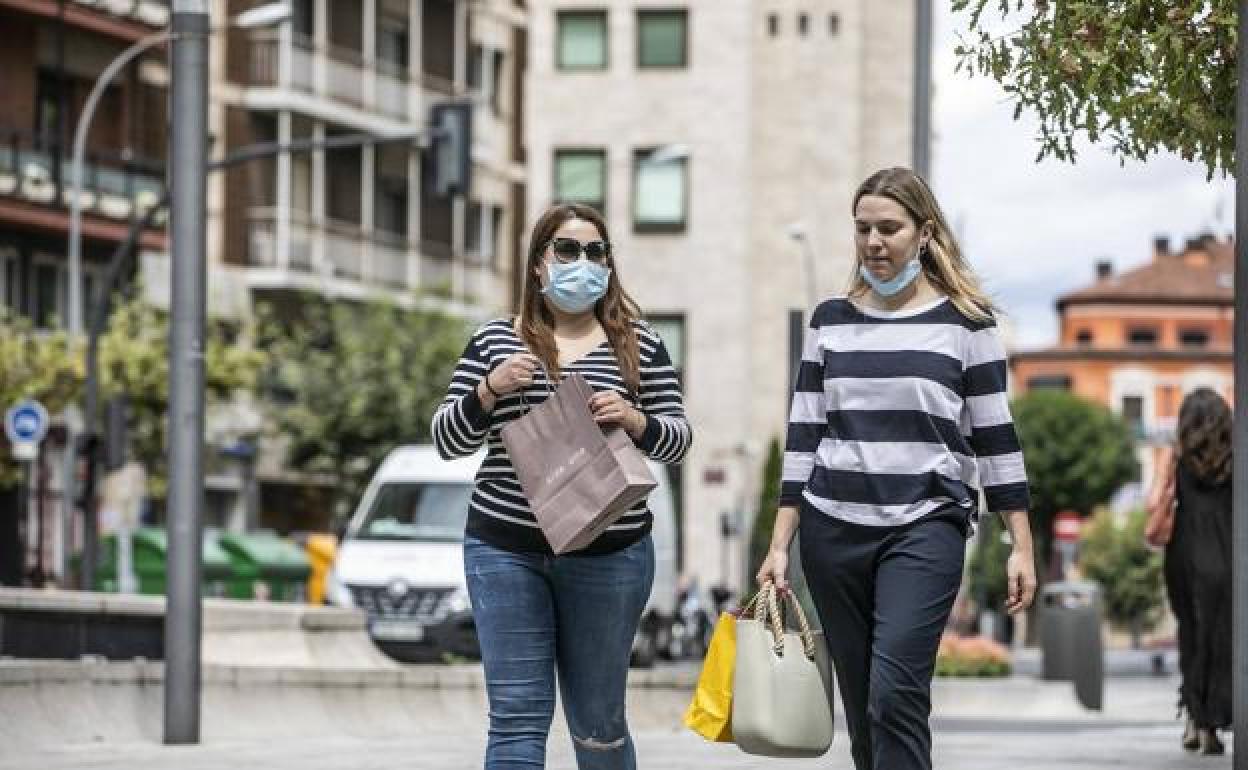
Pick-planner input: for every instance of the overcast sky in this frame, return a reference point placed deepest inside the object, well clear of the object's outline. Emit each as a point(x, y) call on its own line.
point(1035, 231)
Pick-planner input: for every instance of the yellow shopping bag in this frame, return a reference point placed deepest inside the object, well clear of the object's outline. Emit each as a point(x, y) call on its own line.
point(710, 713)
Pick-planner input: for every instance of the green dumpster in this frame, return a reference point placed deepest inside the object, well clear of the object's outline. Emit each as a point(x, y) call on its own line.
point(265, 566)
point(149, 551)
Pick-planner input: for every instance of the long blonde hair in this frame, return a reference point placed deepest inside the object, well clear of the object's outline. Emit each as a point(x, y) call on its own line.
point(942, 260)
point(616, 311)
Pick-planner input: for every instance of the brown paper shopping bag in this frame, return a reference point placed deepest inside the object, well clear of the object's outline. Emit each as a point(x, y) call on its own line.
point(578, 478)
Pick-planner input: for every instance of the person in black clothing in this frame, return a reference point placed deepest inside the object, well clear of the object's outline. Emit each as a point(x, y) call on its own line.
point(1198, 567)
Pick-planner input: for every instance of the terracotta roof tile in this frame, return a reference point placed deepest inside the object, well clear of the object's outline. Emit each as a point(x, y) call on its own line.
point(1201, 273)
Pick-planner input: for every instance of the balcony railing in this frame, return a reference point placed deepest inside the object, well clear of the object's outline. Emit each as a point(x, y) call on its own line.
point(115, 185)
point(343, 251)
point(338, 74)
point(153, 13)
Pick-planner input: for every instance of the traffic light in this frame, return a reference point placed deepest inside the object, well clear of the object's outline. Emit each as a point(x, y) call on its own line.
point(449, 161)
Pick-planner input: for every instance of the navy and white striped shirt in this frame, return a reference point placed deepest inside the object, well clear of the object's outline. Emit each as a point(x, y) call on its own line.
point(899, 415)
point(499, 513)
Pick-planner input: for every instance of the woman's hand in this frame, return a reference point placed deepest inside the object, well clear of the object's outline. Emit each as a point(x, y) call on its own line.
point(610, 408)
point(513, 374)
point(1020, 571)
point(775, 570)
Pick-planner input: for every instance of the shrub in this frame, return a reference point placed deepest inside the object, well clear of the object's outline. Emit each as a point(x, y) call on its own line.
point(971, 656)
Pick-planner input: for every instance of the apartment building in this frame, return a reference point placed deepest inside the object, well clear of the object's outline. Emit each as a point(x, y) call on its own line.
point(359, 222)
point(723, 140)
point(51, 55)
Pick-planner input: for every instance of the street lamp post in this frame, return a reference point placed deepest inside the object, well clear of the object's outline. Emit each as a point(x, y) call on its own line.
point(188, 151)
point(264, 15)
point(922, 88)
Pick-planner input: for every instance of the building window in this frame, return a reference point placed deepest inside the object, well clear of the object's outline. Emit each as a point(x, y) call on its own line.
point(10, 297)
point(1194, 338)
point(1049, 382)
point(660, 192)
point(582, 41)
point(773, 24)
point(671, 329)
point(472, 232)
point(496, 84)
point(834, 24)
point(304, 18)
point(393, 38)
point(662, 39)
point(47, 295)
point(1133, 413)
point(1084, 337)
point(581, 177)
point(390, 214)
point(803, 24)
point(1142, 336)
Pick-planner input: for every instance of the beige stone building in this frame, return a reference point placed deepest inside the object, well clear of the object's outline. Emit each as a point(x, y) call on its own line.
point(723, 139)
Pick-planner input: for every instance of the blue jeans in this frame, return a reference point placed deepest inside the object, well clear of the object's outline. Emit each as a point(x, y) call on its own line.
point(536, 614)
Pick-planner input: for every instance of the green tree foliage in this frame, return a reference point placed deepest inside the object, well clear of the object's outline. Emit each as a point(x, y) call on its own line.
point(1130, 573)
point(1141, 75)
point(1077, 453)
point(765, 520)
point(353, 381)
point(134, 362)
point(44, 366)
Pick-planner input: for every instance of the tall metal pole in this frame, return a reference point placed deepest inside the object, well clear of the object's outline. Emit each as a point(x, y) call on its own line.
point(922, 138)
point(188, 157)
point(1239, 680)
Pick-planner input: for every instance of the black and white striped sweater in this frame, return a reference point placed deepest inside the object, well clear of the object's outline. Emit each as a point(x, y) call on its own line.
point(499, 513)
point(898, 415)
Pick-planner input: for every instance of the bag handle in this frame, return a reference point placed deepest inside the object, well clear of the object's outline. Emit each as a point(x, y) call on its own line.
point(550, 386)
point(768, 609)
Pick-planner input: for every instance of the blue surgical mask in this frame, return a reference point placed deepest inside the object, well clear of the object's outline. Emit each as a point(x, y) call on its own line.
point(577, 286)
point(895, 284)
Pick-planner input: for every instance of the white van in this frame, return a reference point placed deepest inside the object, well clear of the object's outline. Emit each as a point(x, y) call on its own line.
point(401, 559)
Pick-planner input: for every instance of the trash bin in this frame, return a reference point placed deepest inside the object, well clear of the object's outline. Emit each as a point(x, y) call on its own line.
point(265, 566)
point(149, 554)
point(321, 550)
point(1070, 616)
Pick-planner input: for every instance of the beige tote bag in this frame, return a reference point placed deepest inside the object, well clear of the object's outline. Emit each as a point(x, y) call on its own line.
point(782, 687)
point(578, 477)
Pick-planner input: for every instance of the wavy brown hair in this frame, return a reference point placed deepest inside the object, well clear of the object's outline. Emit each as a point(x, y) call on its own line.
point(942, 261)
point(1204, 439)
point(616, 311)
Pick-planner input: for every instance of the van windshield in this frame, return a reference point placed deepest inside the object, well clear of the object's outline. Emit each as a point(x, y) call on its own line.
point(417, 511)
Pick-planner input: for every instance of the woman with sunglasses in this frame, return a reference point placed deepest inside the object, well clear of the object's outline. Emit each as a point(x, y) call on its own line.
point(537, 613)
point(900, 416)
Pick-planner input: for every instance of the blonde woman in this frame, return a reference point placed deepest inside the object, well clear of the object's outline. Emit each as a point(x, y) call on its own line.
point(899, 413)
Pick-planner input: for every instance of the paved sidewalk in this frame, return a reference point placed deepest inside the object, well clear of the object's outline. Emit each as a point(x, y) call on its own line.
point(958, 747)
point(1015, 724)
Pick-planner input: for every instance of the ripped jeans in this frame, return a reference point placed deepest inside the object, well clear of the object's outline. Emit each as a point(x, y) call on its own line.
point(536, 614)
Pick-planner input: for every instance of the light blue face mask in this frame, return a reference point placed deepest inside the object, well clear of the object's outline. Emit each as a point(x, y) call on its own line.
point(892, 286)
point(576, 286)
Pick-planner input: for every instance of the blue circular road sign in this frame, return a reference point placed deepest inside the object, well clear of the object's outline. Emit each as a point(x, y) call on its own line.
point(26, 423)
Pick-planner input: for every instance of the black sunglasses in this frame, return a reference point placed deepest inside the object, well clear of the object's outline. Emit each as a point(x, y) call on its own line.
point(570, 249)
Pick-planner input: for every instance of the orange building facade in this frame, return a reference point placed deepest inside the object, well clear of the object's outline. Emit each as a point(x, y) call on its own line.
point(1138, 341)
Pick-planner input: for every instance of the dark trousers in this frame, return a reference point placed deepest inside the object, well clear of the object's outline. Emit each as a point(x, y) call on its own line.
point(883, 595)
